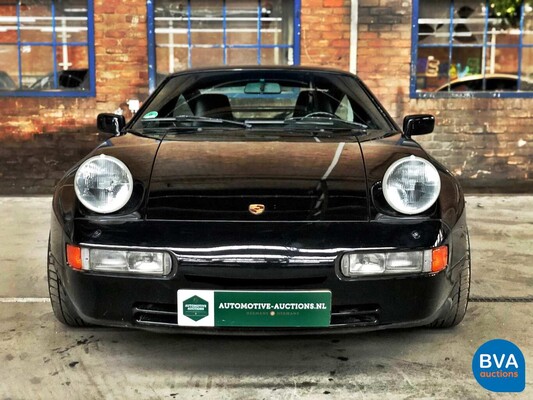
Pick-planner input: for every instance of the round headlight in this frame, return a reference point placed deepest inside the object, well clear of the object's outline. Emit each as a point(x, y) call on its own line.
point(411, 185)
point(103, 184)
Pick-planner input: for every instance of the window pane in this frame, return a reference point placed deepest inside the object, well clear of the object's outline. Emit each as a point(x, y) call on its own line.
point(73, 79)
point(8, 53)
point(75, 76)
point(206, 22)
point(484, 52)
point(36, 21)
point(171, 59)
point(274, 56)
point(274, 27)
point(434, 22)
point(41, 51)
point(527, 69)
point(528, 24)
point(206, 57)
point(37, 67)
point(502, 31)
point(217, 26)
point(171, 36)
point(71, 21)
point(8, 67)
point(527, 53)
point(502, 60)
point(241, 56)
point(8, 23)
point(72, 57)
point(465, 61)
point(432, 68)
point(241, 22)
point(469, 22)
point(432, 64)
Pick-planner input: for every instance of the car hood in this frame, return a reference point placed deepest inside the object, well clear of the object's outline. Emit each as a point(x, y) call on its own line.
point(305, 179)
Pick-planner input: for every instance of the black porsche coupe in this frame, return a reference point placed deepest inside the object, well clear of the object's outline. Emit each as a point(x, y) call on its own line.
point(259, 200)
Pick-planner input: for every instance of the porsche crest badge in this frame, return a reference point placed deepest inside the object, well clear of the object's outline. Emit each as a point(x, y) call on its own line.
point(256, 209)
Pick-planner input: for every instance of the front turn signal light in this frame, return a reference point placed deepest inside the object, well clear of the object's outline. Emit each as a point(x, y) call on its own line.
point(439, 258)
point(74, 256)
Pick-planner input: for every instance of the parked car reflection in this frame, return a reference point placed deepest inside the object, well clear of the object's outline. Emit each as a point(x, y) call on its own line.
point(493, 83)
point(70, 79)
point(6, 83)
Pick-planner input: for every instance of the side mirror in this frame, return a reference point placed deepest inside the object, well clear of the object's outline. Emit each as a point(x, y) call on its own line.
point(110, 123)
point(418, 124)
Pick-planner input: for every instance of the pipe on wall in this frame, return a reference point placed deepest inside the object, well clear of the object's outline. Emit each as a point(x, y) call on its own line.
point(353, 36)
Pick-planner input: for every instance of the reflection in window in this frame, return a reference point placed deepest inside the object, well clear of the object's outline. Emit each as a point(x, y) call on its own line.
point(222, 32)
point(472, 46)
point(44, 47)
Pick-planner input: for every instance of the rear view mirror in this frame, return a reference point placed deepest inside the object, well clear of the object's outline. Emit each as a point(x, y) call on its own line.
point(418, 124)
point(262, 88)
point(110, 123)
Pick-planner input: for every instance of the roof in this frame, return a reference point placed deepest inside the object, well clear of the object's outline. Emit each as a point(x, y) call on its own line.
point(236, 68)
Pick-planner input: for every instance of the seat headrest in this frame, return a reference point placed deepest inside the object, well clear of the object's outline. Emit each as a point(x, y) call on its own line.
point(213, 105)
point(313, 101)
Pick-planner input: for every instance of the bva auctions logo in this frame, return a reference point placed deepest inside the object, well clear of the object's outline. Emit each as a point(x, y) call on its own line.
point(195, 308)
point(499, 366)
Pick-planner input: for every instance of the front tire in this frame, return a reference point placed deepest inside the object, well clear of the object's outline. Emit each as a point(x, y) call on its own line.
point(63, 308)
point(458, 298)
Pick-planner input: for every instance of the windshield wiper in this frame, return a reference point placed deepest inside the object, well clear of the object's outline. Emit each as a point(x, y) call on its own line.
point(328, 128)
point(326, 122)
point(193, 118)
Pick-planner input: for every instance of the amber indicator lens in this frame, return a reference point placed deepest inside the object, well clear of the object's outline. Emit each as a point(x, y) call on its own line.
point(439, 259)
point(74, 256)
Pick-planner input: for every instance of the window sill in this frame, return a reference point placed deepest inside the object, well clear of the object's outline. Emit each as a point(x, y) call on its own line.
point(48, 93)
point(471, 95)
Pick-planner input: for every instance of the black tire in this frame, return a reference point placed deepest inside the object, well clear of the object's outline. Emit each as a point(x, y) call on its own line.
point(458, 298)
point(61, 304)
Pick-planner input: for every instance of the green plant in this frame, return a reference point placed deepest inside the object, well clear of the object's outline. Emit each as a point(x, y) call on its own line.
point(509, 10)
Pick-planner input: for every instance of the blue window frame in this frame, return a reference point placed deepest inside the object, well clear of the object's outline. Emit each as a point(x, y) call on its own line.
point(47, 48)
point(469, 48)
point(197, 33)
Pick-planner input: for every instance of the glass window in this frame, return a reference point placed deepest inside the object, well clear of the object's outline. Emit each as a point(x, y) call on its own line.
point(265, 99)
point(482, 47)
point(199, 33)
point(46, 48)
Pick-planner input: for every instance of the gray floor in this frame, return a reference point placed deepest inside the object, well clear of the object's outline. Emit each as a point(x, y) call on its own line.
point(40, 358)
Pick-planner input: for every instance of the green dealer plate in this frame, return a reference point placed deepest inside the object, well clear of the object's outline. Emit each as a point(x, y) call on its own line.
point(254, 308)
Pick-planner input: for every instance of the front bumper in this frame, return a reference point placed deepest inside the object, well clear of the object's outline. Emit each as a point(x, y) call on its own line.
point(357, 304)
point(151, 303)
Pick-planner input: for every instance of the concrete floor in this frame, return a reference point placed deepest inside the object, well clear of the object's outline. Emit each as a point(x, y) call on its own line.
point(40, 358)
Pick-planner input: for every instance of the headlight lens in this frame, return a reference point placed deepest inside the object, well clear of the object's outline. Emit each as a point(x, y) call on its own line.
point(126, 261)
point(411, 185)
point(103, 184)
point(354, 265)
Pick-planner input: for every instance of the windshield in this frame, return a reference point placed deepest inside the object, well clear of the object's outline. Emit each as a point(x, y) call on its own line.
point(262, 99)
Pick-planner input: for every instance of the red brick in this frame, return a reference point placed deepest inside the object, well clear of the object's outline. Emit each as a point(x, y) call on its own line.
point(333, 3)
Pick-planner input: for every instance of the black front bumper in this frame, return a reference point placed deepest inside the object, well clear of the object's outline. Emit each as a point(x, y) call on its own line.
point(151, 303)
point(359, 304)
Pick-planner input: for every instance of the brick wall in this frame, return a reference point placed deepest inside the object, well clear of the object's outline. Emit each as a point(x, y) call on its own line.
point(121, 52)
point(34, 166)
point(486, 142)
point(325, 33)
point(41, 138)
point(122, 73)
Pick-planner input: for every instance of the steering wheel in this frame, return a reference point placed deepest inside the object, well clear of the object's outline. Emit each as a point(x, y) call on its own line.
point(320, 114)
